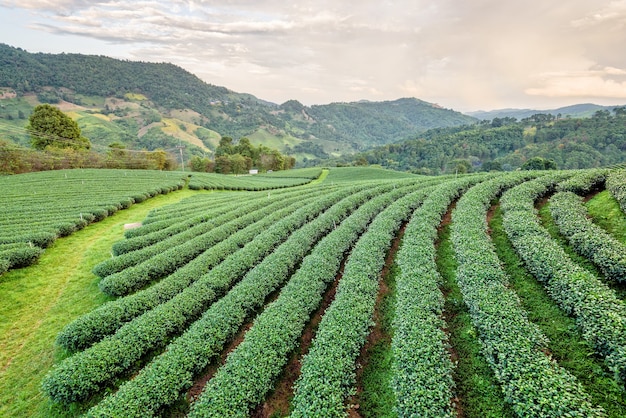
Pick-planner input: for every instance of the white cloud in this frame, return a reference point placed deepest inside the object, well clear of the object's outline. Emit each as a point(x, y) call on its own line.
point(479, 54)
point(594, 83)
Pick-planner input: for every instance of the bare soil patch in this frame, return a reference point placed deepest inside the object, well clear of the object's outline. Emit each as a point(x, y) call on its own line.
point(279, 400)
point(377, 333)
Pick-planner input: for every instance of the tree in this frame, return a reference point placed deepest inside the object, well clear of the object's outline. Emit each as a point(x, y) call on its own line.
point(238, 163)
point(159, 156)
point(50, 127)
point(225, 146)
point(245, 148)
point(539, 163)
point(222, 165)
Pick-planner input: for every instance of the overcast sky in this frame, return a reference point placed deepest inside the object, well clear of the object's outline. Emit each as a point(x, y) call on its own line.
point(465, 55)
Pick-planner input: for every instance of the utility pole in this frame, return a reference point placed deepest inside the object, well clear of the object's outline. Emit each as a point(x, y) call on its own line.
point(182, 162)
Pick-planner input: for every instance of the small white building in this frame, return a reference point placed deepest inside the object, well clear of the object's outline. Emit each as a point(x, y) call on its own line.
point(254, 171)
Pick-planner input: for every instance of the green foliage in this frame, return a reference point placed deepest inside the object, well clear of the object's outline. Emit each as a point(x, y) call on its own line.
point(422, 368)
point(566, 343)
point(214, 181)
point(352, 174)
point(600, 315)
point(16, 255)
point(596, 141)
point(236, 387)
point(539, 163)
point(478, 392)
point(585, 181)
point(616, 184)
point(532, 382)
point(190, 353)
point(376, 123)
point(353, 125)
point(49, 127)
point(588, 239)
point(328, 370)
point(40, 207)
point(606, 213)
point(228, 238)
point(76, 378)
point(218, 258)
point(436, 149)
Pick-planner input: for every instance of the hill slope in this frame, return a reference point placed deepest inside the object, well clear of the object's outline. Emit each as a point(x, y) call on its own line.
point(572, 143)
point(133, 99)
point(583, 110)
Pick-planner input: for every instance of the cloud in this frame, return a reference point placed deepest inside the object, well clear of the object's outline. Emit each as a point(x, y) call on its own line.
point(613, 14)
point(484, 53)
point(596, 83)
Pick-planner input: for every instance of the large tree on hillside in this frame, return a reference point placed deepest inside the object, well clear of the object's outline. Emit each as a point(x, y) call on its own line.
point(50, 127)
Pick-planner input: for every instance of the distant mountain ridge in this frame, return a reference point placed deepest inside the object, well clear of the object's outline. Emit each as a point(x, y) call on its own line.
point(144, 104)
point(583, 110)
point(505, 144)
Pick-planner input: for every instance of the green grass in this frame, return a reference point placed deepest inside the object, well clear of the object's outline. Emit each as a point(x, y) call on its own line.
point(548, 223)
point(350, 174)
point(477, 389)
point(90, 101)
point(566, 343)
point(262, 136)
point(39, 300)
point(606, 213)
point(320, 179)
point(377, 398)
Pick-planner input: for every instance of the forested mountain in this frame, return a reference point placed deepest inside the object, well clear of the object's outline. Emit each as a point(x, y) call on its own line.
point(583, 110)
point(152, 105)
point(506, 144)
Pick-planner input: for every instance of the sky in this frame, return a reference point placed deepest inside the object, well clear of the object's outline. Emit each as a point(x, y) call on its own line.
point(463, 55)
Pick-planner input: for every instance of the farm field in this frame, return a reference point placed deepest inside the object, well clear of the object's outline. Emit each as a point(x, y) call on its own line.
point(363, 292)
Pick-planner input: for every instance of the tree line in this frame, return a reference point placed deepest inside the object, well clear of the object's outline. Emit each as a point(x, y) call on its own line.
point(506, 144)
point(239, 158)
point(57, 143)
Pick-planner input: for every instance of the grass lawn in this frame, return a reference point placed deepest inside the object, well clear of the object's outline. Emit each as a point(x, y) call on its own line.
point(567, 345)
point(478, 392)
point(39, 300)
point(605, 212)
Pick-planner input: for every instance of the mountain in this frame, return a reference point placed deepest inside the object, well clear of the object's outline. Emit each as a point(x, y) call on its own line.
point(150, 105)
point(584, 110)
point(572, 143)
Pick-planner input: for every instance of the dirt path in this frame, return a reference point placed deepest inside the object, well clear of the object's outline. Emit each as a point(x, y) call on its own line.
point(378, 333)
point(278, 402)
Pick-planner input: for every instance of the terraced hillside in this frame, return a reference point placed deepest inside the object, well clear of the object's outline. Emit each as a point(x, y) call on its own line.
point(365, 293)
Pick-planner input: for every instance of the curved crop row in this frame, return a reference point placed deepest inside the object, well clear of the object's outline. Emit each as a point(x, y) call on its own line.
point(588, 239)
point(422, 368)
point(215, 214)
point(598, 312)
point(616, 185)
point(198, 234)
point(106, 319)
point(532, 382)
point(38, 208)
point(584, 181)
point(85, 372)
point(328, 370)
point(161, 381)
point(236, 204)
point(310, 173)
point(145, 262)
point(161, 217)
point(160, 265)
point(17, 255)
point(251, 368)
point(211, 181)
